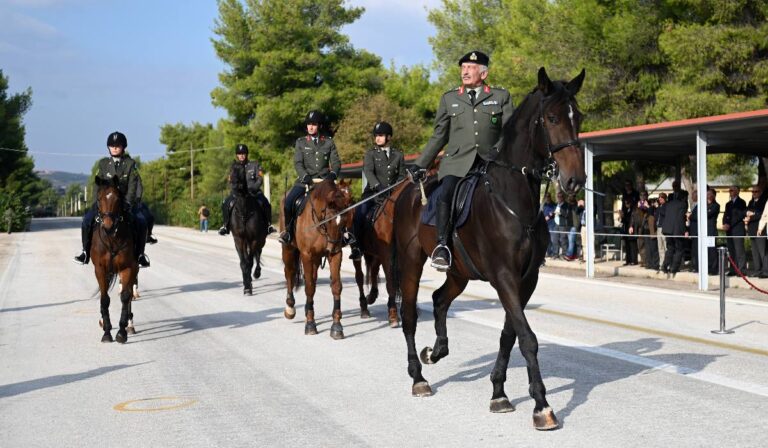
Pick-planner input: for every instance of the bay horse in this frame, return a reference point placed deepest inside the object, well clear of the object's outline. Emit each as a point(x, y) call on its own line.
point(249, 231)
point(112, 254)
point(505, 237)
point(376, 245)
point(312, 243)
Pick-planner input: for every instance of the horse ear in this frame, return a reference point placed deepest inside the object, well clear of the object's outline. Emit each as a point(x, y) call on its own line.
point(545, 84)
point(574, 85)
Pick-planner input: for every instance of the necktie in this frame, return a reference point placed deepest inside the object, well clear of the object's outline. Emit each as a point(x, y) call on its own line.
point(472, 94)
point(314, 139)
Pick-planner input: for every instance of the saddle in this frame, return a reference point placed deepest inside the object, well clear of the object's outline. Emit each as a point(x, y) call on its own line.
point(460, 205)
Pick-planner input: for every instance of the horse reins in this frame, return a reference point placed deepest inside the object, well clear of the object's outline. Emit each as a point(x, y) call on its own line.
point(322, 226)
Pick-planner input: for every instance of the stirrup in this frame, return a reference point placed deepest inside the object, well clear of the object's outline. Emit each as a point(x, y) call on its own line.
point(143, 261)
point(223, 230)
point(271, 229)
point(82, 258)
point(285, 237)
point(151, 239)
point(440, 263)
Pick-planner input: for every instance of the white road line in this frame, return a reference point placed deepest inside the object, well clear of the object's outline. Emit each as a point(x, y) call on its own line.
point(756, 389)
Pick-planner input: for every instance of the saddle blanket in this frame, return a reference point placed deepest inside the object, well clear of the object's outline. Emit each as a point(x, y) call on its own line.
point(462, 203)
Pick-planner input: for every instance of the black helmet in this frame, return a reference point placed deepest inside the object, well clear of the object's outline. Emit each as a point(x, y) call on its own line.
point(316, 117)
point(382, 128)
point(241, 149)
point(117, 139)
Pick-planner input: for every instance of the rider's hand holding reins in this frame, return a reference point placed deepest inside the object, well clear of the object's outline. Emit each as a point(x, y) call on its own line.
point(416, 173)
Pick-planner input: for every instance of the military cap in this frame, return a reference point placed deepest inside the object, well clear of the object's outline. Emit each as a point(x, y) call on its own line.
point(314, 116)
point(475, 57)
point(241, 149)
point(117, 139)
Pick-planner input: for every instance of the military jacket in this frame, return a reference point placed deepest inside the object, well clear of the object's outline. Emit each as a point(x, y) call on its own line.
point(382, 170)
point(466, 130)
point(129, 181)
point(245, 175)
point(317, 160)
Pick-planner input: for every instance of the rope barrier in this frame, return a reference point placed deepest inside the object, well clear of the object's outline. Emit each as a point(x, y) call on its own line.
point(744, 277)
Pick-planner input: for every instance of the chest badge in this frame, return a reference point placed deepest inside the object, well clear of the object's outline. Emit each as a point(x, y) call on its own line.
point(494, 119)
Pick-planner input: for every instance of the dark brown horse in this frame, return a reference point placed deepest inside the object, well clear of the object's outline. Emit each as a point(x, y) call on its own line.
point(249, 231)
point(505, 236)
point(112, 254)
point(311, 244)
point(376, 245)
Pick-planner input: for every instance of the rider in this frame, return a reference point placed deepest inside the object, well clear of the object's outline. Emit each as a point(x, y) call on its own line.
point(383, 166)
point(469, 124)
point(315, 157)
point(122, 166)
point(245, 172)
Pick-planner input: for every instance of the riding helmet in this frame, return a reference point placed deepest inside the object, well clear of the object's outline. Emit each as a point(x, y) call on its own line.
point(117, 139)
point(241, 149)
point(314, 117)
point(382, 128)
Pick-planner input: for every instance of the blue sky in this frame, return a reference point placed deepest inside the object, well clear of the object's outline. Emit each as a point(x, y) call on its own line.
point(96, 66)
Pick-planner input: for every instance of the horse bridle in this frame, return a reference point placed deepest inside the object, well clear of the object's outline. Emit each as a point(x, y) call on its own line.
point(117, 218)
point(323, 228)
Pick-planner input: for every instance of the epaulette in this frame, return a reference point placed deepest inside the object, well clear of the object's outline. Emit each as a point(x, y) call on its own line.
point(455, 89)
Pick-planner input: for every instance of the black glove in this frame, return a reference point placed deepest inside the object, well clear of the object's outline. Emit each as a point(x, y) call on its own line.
point(331, 176)
point(306, 179)
point(376, 188)
point(417, 173)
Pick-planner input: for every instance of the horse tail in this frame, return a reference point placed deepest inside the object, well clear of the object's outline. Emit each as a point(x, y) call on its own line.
point(298, 271)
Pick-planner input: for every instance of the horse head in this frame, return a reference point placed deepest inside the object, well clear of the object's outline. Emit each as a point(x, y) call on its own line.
point(555, 129)
point(110, 203)
point(345, 186)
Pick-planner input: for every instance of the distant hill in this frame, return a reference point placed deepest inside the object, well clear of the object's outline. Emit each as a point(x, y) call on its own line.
point(61, 180)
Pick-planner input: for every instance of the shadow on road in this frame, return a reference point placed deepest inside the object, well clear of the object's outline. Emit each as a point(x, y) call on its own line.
point(10, 390)
point(259, 287)
point(582, 367)
point(44, 305)
point(183, 325)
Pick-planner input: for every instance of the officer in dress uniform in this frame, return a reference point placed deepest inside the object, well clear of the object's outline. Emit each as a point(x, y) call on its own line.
point(315, 157)
point(383, 166)
point(244, 172)
point(120, 165)
point(469, 125)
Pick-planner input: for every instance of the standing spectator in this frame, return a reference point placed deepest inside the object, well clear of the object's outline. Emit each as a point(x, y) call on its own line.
point(548, 209)
point(203, 213)
point(648, 233)
point(676, 190)
point(574, 223)
point(713, 209)
point(638, 218)
point(762, 230)
point(692, 223)
point(755, 209)
point(561, 225)
point(733, 223)
point(630, 240)
point(674, 227)
point(658, 214)
point(583, 231)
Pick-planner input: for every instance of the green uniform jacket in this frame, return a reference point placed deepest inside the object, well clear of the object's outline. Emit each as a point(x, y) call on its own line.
point(128, 175)
point(465, 130)
point(317, 160)
point(382, 170)
point(245, 175)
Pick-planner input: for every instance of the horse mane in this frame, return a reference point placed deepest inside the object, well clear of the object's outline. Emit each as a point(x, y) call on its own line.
point(327, 187)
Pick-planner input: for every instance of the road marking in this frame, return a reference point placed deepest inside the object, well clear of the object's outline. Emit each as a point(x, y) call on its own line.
point(154, 404)
point(743, 386)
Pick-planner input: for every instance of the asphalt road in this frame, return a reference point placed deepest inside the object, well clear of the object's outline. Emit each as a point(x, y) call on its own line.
point(624, 365)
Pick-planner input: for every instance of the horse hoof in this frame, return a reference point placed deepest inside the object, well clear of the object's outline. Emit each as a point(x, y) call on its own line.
point(310, 329)
point(131, 330)
point(421, 389)
point(337, 331)
point(371, 299)
point(501, 405)
point(121, 336)
point(545, 420)
point(394, 322)
point(247, 291)
point(101, 323)
point(289, 312)
point(426, 355)
point(365, 314)
point(107, 337)
point(256, 274)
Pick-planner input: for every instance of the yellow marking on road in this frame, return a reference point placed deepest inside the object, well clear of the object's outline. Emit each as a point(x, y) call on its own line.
point(154, 404)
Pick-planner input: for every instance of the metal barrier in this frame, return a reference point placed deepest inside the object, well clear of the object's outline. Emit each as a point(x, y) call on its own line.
point(721, 254)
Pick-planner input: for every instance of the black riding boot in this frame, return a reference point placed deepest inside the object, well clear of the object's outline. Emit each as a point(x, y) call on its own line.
point(86, 232)
point(266, 207)
point(441, 256)
point(226, 210)
point(287, 235)
point(349, 238)
point(140, 237)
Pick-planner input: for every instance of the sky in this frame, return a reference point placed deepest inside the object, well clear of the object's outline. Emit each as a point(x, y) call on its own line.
point(96, 66)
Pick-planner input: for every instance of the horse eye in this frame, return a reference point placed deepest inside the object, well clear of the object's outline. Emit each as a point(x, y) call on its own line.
point(552, 119)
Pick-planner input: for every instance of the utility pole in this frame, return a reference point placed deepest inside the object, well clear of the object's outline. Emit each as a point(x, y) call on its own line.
point(191, 172)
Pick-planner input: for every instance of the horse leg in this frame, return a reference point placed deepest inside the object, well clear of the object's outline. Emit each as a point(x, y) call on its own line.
point(337, 331)
point(513, 301)
point(127, 277)
point(410, 289)
point(441, 301)
point(290, 268)
point(245, 265)
point(104, 322)
point(373, 279)
point(257, 259)
point(394, 321)
point(310, 280)
point(499, 400)
point(360, 280)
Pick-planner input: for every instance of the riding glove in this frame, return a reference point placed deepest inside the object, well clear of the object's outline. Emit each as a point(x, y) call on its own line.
point(331, 176)
point(417, 173)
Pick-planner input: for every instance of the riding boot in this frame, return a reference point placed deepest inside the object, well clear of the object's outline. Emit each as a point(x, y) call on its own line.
point(266, 207)
point(140, 232)
point(441, 256)
point(287, 235)
point(349, 238)
point(226, 210)
point(86, 232)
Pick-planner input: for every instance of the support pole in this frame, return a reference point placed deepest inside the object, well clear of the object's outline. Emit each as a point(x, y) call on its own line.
point(704, 240)
point(191, 172)
point(721, 252)
point(589, 203)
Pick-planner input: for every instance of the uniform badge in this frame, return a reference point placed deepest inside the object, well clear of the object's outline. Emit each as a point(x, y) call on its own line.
point(494, 119)
point(473, 56)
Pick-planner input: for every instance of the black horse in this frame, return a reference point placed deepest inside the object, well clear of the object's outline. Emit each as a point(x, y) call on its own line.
point(249, 230)
point(505, 237)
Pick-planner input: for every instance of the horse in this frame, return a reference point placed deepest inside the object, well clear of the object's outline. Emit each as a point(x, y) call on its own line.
point(112, 254)
point(375, 243)
point(249, 231)
point(314, 241)
point(504, 239)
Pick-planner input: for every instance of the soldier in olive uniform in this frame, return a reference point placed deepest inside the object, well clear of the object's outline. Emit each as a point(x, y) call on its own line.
point(315, 157)
point(383, 166)
point(244, 172)
point(122, 166)
point(469, 125)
